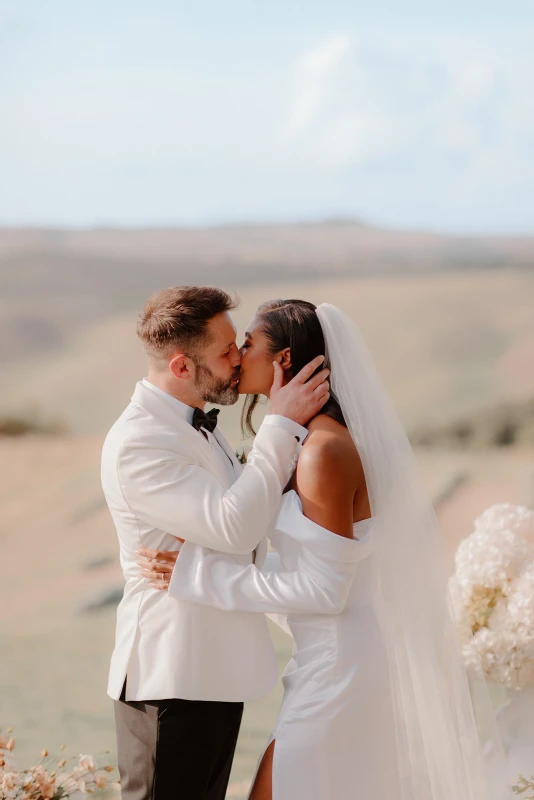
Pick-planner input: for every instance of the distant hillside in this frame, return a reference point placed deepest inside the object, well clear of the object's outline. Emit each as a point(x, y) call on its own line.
point(137, 259)
point(446, 345)
point(54, 282)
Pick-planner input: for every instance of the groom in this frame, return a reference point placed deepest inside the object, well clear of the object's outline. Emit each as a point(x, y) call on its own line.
point(180, 672)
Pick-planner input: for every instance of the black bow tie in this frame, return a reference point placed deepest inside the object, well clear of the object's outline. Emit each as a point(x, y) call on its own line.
point(207, 421)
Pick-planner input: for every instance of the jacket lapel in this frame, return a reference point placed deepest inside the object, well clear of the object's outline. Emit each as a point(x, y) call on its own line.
point(219, 435)
point(162, 411)
point(193, 441)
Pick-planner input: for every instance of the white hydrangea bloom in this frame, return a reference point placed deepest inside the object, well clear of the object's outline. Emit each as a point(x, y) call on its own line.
point(492, 558)
point(504, 516)
point(500, 617)
point(521, 599)
point(495, 570)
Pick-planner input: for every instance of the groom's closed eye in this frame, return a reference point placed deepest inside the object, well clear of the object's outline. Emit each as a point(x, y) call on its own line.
point(228, 349)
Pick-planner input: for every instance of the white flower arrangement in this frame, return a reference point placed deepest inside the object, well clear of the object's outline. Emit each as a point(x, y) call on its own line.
point(48, 779)
point(495, 573)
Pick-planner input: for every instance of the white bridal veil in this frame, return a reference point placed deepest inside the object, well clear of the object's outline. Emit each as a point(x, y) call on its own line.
point(440, 753)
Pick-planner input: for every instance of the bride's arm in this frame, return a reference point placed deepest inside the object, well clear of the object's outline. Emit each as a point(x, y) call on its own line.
point(217, 580)
point(327, 480)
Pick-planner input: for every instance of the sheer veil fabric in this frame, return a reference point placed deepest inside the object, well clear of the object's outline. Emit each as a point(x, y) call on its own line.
point(440, 749)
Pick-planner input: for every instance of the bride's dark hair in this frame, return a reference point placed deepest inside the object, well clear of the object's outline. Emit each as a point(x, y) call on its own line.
point(293, 324)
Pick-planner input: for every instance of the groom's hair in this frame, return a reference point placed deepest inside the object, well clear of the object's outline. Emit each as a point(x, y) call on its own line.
point(178, 318)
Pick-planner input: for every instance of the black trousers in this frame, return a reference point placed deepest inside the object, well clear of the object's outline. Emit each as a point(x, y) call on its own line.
point(176, 749)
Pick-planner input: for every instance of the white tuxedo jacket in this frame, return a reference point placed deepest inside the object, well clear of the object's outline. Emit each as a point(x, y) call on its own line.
point(162, 479)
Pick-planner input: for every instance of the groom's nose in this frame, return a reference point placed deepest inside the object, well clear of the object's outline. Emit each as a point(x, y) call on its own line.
point(236, 357)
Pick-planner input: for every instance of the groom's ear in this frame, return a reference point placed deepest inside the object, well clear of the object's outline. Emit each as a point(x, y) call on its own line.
point(181, 367)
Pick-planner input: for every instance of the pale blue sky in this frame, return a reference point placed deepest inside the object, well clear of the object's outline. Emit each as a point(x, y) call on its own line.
point(409, 114)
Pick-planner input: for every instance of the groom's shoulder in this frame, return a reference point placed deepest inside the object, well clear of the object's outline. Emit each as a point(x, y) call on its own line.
point(125, 425)
point(136, 431)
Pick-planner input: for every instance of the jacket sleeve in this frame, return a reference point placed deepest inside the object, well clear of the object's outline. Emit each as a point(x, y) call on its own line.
point(217, 580)
point(183, 499)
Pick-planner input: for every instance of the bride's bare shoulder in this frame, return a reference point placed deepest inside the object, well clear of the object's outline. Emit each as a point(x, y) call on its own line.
point(328, 474)
point(328, 442)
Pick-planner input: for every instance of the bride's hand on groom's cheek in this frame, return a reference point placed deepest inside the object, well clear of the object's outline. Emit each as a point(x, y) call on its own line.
point(156, 566)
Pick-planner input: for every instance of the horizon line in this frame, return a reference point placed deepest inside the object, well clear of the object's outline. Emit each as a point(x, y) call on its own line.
point(312, 221)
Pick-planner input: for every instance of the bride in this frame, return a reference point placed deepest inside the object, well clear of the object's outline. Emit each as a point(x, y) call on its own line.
point(376, 701)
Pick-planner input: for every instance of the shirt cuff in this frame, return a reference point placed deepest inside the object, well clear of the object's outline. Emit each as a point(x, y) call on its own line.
point(288, 425)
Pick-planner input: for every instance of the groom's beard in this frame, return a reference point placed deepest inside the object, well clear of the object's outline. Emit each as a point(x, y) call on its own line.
point(215, 390)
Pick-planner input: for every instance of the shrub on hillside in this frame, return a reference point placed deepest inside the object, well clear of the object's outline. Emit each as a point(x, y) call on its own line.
point(506, 425)
point(22, 426)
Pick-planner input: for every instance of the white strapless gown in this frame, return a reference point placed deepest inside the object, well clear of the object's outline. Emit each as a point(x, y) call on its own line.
point(334, 733)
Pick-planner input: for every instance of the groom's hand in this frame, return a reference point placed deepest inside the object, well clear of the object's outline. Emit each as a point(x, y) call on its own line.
point(157, 566)
point(304, 396)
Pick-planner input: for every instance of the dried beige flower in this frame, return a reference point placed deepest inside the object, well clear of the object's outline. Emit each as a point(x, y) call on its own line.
point(100, 780)
point(36, 783)
point(87, 763)
point(522, 785)
point(10, 783)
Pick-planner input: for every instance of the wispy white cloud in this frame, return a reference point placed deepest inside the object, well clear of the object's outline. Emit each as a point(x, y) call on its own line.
point(322, 120)
point(314, 77)
point(360, 99)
